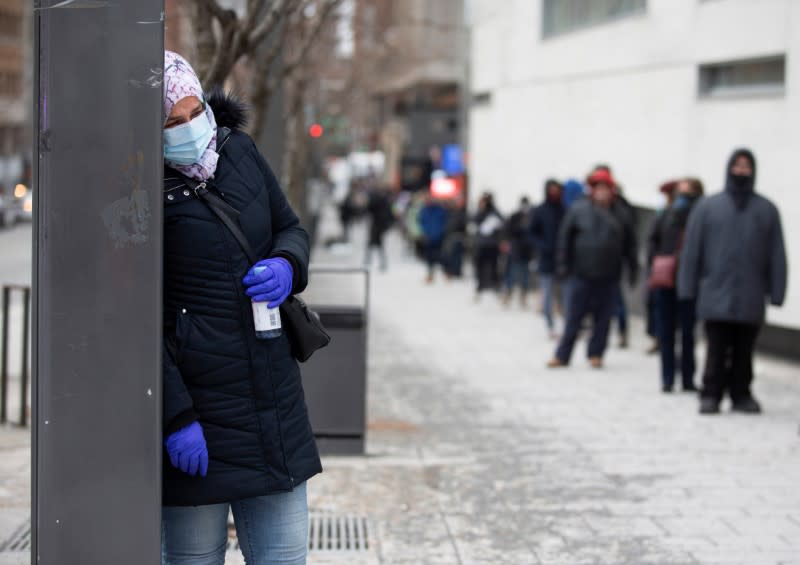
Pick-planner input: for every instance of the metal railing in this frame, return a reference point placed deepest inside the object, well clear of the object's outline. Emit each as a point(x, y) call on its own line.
point(5, 353)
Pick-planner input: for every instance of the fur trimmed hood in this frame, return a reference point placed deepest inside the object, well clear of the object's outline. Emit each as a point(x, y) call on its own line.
point(230, 111)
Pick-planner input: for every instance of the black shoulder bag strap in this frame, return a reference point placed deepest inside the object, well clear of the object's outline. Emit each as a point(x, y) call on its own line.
point(303, 326)
point(227, 214)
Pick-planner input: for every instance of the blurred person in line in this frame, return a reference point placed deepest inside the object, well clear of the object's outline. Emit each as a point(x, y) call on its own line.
point(733, 260)
point(236, 434)
point(572, 192)
point(487, 226)
point(348, 212)
point(625, 211)
point(545, 224)
point(668, 189)
point(455, 240)
point(666, 242)
point(413, 231)
point(379, 210)
point(316, 189)
point(520, 252)
point(593, 245)
point(433, 223)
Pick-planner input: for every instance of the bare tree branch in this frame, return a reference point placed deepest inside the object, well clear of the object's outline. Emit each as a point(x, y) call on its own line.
point(268, 24)
point(311, 37)
point(215, 9)
point(254, 9)
point(264, 86)
point(225, 58)
point(205, 41)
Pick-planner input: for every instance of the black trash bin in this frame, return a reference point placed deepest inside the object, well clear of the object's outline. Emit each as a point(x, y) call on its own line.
point(335, 378)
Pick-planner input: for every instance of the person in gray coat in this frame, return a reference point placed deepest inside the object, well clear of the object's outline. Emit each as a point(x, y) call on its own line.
point(733, 260)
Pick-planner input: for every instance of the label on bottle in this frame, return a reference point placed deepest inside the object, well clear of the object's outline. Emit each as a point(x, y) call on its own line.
point(266, 318)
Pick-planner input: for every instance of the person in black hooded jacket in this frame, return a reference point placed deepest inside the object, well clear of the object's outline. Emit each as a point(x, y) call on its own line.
point(236, 428)
point(545, 224)
point(733, 260)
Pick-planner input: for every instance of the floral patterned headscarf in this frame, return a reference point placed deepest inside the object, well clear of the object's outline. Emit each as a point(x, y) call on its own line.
point(181, 81)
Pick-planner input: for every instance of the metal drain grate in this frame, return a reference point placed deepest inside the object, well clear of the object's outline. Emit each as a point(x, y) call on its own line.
point(326, 532)
point(329, 532)
point(20, 540)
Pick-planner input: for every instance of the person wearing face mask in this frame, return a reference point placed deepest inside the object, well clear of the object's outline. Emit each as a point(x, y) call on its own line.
point(666, 241)
point(236, 429)
point(733, 260)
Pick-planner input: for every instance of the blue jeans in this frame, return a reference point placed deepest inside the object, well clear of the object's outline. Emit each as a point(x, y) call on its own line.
point(433, 255)
point(271, 529)
point(548, 284)
point(621, 311)
point(671, 312)
point(518, 270)
point(595, 297)
point(455, 258)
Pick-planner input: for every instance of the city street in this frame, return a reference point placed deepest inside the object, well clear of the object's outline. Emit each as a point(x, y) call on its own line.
point(479, 455)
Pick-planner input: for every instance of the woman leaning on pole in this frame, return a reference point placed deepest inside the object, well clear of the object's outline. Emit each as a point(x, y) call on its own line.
point(236, 428)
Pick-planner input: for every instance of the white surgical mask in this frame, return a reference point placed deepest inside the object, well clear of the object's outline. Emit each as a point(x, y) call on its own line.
point(186, 143)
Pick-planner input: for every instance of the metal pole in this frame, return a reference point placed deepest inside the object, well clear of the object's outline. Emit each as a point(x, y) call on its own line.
point(4, 357)
point(23, 395)
point(98, 164)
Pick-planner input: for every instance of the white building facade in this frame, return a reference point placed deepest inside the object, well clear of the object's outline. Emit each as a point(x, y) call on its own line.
point(658, 89)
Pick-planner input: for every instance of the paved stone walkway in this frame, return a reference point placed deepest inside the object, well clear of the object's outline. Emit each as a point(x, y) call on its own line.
point(478, 455)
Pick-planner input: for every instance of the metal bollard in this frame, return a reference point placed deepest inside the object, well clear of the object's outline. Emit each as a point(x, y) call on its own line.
point(24, 375)
point(4, 344)
point(4, 356)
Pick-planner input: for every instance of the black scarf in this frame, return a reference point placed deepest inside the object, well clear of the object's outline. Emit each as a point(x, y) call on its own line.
point(740, 188)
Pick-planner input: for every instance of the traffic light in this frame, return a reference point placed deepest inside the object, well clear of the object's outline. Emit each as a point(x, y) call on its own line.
point(316, 131)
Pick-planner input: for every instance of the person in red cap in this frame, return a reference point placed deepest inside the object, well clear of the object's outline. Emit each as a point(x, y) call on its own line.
point(594, 242)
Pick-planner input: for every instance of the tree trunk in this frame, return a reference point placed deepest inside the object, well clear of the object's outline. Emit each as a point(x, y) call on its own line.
point(293, 161)
point(206, 43)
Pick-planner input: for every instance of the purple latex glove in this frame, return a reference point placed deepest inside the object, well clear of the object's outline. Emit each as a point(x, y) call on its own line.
point(187, 450)
point(271, 283)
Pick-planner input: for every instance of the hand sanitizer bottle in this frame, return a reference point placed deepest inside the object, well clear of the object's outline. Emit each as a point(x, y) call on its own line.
point(267, 320)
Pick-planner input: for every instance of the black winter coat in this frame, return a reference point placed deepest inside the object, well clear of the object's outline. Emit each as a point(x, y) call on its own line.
point(545, 224)
point(518, 232)
point(734, 258)
point(381, 217)
point(594, 242)
point(667, 233)
point(245, 392)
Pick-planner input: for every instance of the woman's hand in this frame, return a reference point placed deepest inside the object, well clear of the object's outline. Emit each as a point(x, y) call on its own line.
point(270, 281)
point(187, 450)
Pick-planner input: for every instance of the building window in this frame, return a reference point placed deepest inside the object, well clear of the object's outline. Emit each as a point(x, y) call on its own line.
point(562, 16)
point(753, 77)
point(481, 98)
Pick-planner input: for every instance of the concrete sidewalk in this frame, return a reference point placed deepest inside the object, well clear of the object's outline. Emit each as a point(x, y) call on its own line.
point(479, 455)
